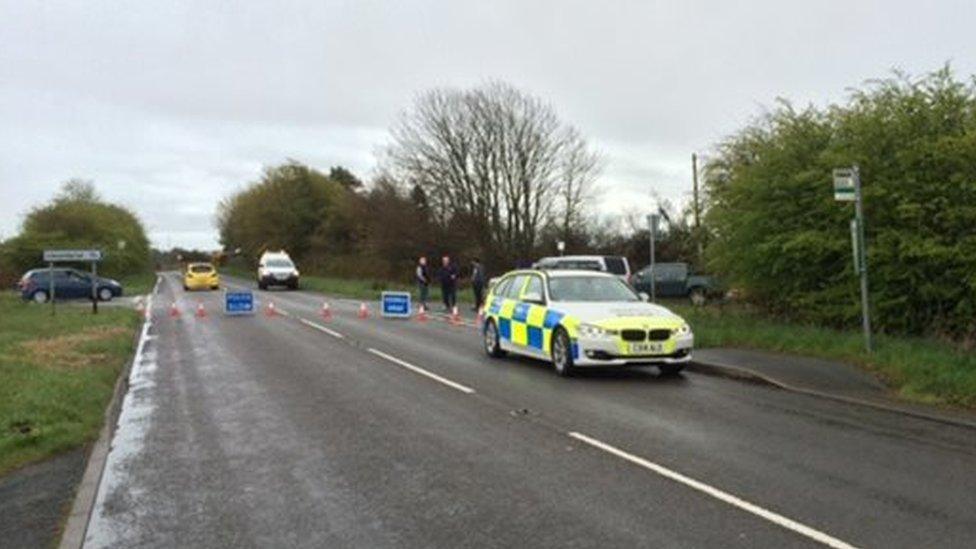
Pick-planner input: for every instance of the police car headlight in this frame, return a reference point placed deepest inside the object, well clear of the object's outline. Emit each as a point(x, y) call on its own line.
point(684, 329)
point(593, 331)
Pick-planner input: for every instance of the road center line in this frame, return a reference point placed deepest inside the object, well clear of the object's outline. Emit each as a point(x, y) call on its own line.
point(322, 328)
point(775, 518)
point(421, 371)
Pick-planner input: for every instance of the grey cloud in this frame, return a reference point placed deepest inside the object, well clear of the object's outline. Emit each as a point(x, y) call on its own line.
point(170, 106)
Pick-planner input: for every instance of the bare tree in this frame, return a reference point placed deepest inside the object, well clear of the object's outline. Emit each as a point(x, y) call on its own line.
point(497, 159)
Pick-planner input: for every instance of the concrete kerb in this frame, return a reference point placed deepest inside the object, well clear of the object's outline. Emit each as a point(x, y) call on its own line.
point(76, 526)
point(747, 374)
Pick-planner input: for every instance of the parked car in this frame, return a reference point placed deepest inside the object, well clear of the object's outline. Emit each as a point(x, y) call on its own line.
point(612, 264)
point(68, 284)
point(277, 269)
point(677, 280)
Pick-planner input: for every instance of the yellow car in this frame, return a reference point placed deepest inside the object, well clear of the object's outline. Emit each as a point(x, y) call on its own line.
point(582, 319)
point(201, 276)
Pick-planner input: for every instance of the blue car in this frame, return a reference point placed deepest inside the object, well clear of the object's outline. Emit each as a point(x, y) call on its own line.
point(68, 284)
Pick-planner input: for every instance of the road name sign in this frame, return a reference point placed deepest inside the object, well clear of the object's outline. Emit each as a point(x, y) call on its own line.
point(239, 303)
point(395, 304)
point(52, 256)
point(845, 185)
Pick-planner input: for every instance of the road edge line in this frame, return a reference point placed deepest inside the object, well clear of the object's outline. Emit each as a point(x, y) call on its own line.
point(740, 373)
point(418, 370)
point(76, 525)
point(716, 493)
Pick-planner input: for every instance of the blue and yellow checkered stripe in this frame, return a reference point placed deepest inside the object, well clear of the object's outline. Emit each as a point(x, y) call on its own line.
point(526, 324)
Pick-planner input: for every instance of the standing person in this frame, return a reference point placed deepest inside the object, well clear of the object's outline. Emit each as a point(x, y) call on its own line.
point(422, 274)
point(477, 282)
point(449, 277)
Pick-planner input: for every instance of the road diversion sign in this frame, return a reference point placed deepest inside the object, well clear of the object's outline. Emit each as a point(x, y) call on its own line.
point(395, 304)
point(239, 303)
point(52, 256)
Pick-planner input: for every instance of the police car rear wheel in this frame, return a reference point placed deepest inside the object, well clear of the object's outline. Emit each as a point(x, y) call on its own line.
point(562, 356)
point(492, 345)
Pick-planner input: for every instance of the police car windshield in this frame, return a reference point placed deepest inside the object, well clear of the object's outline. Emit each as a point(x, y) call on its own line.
point(589, 288)
point(279, 263)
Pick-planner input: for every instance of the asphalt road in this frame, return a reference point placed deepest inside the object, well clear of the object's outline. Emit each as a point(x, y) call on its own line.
point(300, 432)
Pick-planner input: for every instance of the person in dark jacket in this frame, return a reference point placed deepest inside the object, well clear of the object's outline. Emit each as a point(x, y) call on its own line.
point(477, 282)
point(422, 275)
point(449, 279)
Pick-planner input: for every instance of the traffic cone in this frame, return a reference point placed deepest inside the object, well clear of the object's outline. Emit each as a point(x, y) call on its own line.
point(201, 312)
point(174, 311)
point(270, 310)
point(363, 311)
point(455, 316)
point(326, 311)
point(422, 314)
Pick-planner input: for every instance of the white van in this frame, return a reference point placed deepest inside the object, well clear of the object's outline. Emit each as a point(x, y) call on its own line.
point(613, 264)
point(277, 269)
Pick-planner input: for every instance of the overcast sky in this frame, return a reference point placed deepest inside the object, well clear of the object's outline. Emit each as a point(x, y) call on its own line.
point(171, 106)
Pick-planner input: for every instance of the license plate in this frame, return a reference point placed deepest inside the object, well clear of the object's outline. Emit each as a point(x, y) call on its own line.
point(646, 348)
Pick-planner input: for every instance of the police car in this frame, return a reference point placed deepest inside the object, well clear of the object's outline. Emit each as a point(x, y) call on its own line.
point(582, 319)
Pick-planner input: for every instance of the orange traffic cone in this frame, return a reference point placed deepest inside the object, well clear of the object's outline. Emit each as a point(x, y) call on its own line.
point(363, 311)
point(174, 311)
point(422, 314)
point(201, 312)
point(270, 310)
point(326, 311)
point(455, 316)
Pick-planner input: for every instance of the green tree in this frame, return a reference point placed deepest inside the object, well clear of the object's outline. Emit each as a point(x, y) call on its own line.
point(79, 218)
point(283, 210)
point(779, 235)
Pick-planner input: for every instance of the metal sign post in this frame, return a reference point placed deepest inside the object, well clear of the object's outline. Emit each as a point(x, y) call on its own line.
point(847, 188)
point(652, 220)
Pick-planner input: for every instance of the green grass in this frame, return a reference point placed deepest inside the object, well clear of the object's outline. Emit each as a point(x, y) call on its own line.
point(57, 374)
point(918, 369)
point(138, 284)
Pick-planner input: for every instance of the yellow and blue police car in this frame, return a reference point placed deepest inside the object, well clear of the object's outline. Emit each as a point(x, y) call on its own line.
point(582, 319)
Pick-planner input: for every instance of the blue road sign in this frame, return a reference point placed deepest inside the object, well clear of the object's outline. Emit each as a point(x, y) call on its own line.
point(395, 304)
point(239, 303)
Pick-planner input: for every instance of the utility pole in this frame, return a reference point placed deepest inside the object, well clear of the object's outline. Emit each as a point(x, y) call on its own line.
point(694, 179)
point(652, 230)
point(697, 208)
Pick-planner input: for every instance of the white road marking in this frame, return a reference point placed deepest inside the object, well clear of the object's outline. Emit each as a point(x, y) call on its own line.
point(421, 371)
point(775, 518)
point(322, 328)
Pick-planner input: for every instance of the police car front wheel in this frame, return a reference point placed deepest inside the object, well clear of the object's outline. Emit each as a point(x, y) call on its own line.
point(562, 353)
point(492, 345)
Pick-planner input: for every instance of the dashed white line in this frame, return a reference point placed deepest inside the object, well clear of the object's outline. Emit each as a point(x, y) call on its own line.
point(421, 371)
point(322, 328)
point(735, 501)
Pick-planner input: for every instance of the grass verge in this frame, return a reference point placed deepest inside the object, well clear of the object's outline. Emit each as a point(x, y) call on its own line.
point(918, 369)
point(57, 374)
point(138, 284)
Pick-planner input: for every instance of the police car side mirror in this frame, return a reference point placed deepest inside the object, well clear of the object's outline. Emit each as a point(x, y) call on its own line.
point(644, 297)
